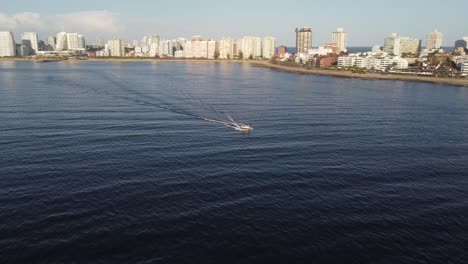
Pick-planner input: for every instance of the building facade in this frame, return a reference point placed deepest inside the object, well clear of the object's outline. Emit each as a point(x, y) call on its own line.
point(282, 50)
point(303, 40)
point(339, 37)
point(61, 41)
point(434, 40)
point(7, 44)
point(226, 48)
point(462, 43)
point(30, 40)
point(268, 49)
point(116, 48)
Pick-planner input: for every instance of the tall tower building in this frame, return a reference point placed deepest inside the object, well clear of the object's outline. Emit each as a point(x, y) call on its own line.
point(61, 41)
point(116, 48)
point(392, 45)
point(30, 40)
point(81, 42)
point(434, 40)
point(303, 40)
point(268, 50)
point(226, 48)
point(7, 44)
point(50, 42)
point(339, 37)
point(73, 42)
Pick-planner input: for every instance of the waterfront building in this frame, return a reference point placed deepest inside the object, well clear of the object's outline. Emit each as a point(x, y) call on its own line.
point(409, 46)
point(251, 47)
point(116, 48)
point(282, 50)
point(72, 41)
point(22, 50)
point(339, 37)
point(211, 49)
point(226, 48)
point(81, 42)
point(333, 46)
point(392, 44)
point(462, 43)
point(268, 50)
point(380, 63)
point(50, 43)
point(7, 44)
point(99, 42)
point(434, 40)
point(30, 40)
point(464, 69)
point(303, 39)
point(61, 41)
point(397, 46)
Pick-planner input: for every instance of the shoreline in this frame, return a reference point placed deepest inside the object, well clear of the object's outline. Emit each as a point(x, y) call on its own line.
point(277, 67)
point(366, 76)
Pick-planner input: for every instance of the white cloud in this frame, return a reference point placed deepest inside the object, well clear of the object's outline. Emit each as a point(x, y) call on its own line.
point(25, 21)
point(89, 23)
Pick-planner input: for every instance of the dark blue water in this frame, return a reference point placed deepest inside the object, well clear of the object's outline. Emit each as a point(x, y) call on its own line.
point(109, 163)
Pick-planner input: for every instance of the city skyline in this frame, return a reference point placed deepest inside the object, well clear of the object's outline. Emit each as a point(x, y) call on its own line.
point(362, 20)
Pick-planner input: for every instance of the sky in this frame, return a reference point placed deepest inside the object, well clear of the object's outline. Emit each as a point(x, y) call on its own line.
point(366, 22)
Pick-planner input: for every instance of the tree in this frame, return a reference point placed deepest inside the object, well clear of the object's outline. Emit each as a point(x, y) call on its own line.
point(251, 57)
point(241, 55)
point(273, 60)
point(229, 56)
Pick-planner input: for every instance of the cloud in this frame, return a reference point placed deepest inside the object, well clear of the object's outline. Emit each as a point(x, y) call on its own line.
point(25, 21)
point(90, 22)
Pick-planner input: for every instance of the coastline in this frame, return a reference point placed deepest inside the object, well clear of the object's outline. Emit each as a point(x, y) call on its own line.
point(277, 67)
point(366, 76)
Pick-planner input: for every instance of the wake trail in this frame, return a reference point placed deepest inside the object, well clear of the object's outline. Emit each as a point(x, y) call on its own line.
point(162, 105)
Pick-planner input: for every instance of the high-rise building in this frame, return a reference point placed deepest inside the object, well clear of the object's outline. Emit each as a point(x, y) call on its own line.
point(339, 37)
point(73, 42)
point(116, 48)
point(268, 50)
point(303, 40)
point(81, 42)
point(30, 40)
point(434, 40)
point(211, 49)
point(409, 46)
point(50, 42)
point(392, 45)
point(226, 48)
point(7, 44)
point(99, 42)
point(462, 43)
point(61, 41)
point(251, 47)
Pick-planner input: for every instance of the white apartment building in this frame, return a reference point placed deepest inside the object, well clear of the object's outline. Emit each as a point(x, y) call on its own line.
point(81, 42)
point(339, 37)
point(398, 46)
point(434, 40)
point(30, 40)
point(464, 69)
point(211, 49)
point(268, 50)
point(50, 41)
point(369, 62)
point(116, 48)
point(7, 44)
point(226, 48)
point(61, 41)
point(250, 47)
point(73, 42)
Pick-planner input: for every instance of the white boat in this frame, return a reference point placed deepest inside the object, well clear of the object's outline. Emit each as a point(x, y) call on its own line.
point(239, 126)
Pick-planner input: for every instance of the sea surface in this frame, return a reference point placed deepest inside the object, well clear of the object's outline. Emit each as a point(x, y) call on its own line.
point(113, 163)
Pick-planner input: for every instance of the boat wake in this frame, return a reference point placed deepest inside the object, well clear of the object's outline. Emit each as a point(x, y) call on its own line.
point(158, 102)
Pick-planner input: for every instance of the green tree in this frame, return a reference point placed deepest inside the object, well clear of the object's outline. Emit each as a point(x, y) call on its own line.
point(241, 55)
point(251, 57)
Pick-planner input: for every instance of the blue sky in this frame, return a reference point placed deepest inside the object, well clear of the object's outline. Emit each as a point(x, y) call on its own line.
point(367, 22)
